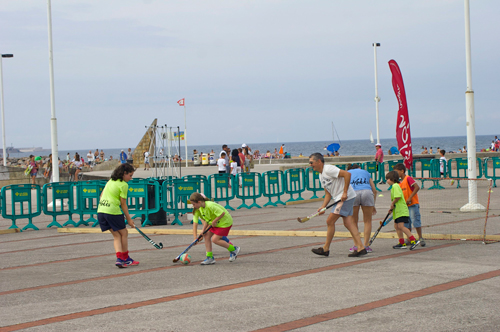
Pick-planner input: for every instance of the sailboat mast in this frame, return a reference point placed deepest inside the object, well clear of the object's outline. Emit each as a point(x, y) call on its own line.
point(333, 134)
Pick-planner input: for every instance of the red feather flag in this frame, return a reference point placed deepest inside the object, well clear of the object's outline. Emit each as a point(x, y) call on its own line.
point(403, 135)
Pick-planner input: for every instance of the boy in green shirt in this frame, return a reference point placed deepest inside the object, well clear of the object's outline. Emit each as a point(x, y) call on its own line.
point(400, 212)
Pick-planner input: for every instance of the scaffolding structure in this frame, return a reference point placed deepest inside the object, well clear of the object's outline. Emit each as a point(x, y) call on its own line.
point(165, 151)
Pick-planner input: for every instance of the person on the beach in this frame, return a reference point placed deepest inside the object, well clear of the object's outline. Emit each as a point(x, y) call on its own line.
point(78, 165)
point(282, 151)
point(102, 155)
point(146, 160)
point(337, 187)
point(400, 212)
point(34, 168)
point(425, 151)
point(410, 189)
point(379, 159)
point(123, 157)
point(90, 159)
point(110, 217)
point(216, 216)
point(366, 194)
point(48, 169)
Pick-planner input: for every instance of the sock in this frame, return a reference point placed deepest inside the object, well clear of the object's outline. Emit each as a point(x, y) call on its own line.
point(125, 255)
point(401, 241)
point(230, 248)
point(119, 255)
point(210, 254)
point(412, 238)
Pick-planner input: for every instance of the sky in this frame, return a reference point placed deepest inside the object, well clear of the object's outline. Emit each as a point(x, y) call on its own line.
point(250, 71)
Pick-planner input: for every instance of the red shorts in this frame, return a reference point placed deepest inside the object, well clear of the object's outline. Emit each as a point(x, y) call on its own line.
point(220, 231)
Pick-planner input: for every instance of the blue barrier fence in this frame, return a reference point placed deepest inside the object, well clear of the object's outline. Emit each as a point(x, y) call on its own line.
point(148, 196)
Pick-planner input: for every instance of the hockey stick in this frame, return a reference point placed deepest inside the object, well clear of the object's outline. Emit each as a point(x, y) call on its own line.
point(302, 220)
point(382, 224)
point(157, 246)
point(192, 244)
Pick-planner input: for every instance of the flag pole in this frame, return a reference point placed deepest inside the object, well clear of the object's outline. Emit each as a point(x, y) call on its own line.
point(185, 134)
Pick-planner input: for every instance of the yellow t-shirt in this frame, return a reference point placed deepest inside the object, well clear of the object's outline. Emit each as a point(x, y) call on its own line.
point(210, 212)
point(110, 198)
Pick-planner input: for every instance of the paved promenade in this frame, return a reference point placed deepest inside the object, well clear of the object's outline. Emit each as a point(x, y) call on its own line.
point(65, 281)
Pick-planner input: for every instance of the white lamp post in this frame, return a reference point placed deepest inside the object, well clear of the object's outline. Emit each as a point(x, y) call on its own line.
point(377, 99)
point(3, 114)
point(53, 119)
point(473, 205)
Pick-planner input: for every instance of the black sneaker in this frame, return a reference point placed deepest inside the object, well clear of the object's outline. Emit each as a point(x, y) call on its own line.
point(358, 253)
point(414, 244)
point(321, 252)
point(422, 242)
point(400, 246)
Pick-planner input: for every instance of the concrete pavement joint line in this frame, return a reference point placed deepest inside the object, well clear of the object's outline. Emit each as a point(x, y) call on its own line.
point(380, 303)
point(170, 298)
point(62, 245)
point(97, 256)
point(38, 238)
point(236, 232)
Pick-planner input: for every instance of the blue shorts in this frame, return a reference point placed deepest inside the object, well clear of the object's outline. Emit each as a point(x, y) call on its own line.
point(414, 216)
point(111, 221)
point(345, 208)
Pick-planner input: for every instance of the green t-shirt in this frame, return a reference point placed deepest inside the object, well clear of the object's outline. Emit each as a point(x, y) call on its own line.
point(400, 210)
point(210, 212)
point(110, 198)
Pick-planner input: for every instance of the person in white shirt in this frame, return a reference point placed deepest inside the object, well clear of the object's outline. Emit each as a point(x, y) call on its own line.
point(442, 163)
point(221, 163)
point(337, 187)
point(146, 160)
point(90, 159)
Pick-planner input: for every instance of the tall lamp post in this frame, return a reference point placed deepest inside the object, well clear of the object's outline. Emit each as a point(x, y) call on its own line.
point(473, 205)
point(3, 114)
point(53, 119)
point(377, 99)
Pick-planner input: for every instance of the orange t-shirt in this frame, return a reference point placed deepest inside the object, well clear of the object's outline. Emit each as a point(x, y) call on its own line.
point(406, 185)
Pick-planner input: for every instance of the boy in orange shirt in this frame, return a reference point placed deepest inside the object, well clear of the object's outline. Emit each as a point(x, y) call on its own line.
point(410, 189)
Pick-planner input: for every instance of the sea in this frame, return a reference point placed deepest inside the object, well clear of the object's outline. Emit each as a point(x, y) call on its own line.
point(347, 147)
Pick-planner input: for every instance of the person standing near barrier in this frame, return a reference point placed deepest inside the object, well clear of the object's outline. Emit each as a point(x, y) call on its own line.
point(379, 159)
point(221, 163)
point(337, 186)
point(366, 194)
point(442, 163)
point(215, 215)
point(110, 217)
point(400, 212)
point(410, 188)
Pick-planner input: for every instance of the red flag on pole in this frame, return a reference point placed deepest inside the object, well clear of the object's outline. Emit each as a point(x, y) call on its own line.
point(403, 135)
point(181, 102)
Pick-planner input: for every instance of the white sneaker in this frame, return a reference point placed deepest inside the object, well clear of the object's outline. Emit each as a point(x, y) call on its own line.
point(208, 261)
point(234, 254)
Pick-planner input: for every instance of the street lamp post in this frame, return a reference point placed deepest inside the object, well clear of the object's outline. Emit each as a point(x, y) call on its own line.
point(377, 99)
point(3, 114)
